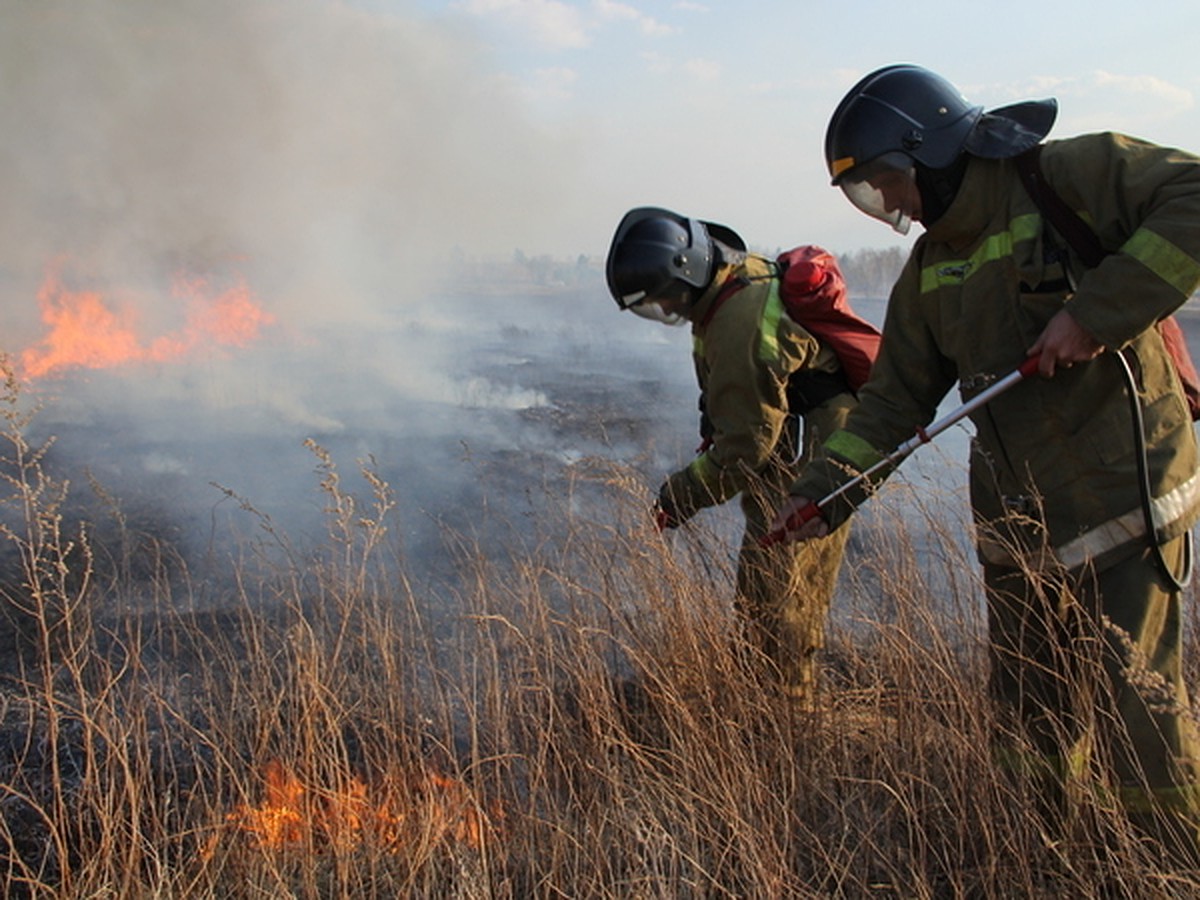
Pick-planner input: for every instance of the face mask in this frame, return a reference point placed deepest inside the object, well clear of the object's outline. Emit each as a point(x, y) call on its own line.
point(668, 305)
point(886, 189)
point(658, 311)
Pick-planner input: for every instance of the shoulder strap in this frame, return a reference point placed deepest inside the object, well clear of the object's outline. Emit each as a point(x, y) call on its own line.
point(731, 287)
point(1065, 220)
point(1084, 242)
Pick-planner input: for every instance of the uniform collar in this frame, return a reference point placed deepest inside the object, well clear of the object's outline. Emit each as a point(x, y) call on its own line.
point(754, 266)
point(973, 208)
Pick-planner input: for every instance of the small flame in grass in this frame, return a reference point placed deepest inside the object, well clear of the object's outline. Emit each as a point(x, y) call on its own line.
point(282, 818)
point(423, 810)
point(88, 330)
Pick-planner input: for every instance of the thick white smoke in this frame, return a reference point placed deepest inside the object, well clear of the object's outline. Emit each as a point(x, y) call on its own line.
point(335, 154)
point(336, 159)
point(339, 161)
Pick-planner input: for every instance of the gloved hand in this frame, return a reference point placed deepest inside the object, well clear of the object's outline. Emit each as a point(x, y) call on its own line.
point(798, 519)
point(706, 427)
point(666, 514)
point(662, 519)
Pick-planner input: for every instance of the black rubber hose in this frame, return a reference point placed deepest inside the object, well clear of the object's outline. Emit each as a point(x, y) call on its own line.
point(1143, 464)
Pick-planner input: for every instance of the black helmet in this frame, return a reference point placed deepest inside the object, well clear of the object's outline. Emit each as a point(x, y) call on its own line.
point(656, 252)
point(909, 109)
point(653, 248)
point(903, 116)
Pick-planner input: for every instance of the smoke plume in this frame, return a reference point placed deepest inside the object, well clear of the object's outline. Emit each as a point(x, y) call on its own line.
point(322, 171)
point(336, 153)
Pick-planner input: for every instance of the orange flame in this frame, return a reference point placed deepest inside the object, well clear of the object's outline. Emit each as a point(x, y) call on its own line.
point(281, 819)
point(430, 808)
point(86, 331)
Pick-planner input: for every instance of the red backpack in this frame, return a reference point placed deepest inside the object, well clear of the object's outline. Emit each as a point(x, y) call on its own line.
point(814, 295)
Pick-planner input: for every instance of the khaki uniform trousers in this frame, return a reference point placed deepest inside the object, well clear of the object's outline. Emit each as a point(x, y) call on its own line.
point(784, 591)
point(1087, 674)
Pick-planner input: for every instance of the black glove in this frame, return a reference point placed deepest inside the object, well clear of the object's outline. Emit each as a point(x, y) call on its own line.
point(666, 514)
point(706, 427)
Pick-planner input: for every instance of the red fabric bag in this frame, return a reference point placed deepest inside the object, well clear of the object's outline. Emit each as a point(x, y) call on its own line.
point(814, 294)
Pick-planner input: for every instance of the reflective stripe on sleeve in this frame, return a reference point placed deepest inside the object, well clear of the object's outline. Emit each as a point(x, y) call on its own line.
point(1133, 798)
point(853, 449)
point(705, 471)
point(768, 342)
point(1044, 765)
point(1164, 259)
point(1182, 798)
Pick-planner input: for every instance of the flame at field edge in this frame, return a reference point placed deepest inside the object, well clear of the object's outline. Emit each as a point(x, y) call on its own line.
point(418, 811)
point(86, 329)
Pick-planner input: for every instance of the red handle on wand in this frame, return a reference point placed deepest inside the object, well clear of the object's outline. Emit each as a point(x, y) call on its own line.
point(923, 436)
point(796, 521)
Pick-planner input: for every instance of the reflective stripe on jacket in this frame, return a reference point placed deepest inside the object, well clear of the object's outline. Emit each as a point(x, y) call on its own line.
point(745, 350)
point(977, 291)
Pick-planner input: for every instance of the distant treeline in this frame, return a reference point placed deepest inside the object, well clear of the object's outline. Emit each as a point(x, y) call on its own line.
point(869, 272)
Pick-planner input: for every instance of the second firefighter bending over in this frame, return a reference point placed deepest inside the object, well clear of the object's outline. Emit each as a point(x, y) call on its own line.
point(772, 390)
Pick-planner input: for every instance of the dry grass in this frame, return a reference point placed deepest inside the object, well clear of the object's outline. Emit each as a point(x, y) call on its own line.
point(572, 720)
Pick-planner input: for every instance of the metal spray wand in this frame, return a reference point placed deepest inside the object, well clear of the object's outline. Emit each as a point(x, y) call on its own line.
point(923, 436)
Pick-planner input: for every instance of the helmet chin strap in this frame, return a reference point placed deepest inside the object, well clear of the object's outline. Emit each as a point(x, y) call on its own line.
point(939, 187)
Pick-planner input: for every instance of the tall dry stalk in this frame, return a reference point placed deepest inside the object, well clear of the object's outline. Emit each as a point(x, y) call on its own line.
point(573, 715)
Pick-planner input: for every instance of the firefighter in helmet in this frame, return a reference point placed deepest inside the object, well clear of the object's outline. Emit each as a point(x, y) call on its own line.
point(760, 373)
point(1083, 502)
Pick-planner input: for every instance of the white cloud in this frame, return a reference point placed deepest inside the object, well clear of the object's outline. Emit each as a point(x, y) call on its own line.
point(611, 9)
point(552, 83)
point(1168, 98)
point(551, 23)
point(698, 68)
point(1145, 105)
point(656, 62)
point(703, 69)
point(1148, 94)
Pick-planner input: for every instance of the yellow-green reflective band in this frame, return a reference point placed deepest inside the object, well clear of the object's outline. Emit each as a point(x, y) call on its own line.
point(1164, 259)
point(1042, 765)
point(853, 449)
point(996, 246)
point(705, 471)
point(1031, 765)
point(1185, 797)
point(768, 346)
point(698, 346)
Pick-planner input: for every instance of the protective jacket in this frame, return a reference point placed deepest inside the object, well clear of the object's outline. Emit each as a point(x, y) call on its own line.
point(746, 352)
point(1053, 461)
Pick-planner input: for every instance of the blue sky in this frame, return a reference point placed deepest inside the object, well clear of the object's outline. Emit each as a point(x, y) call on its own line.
point(719, 108)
